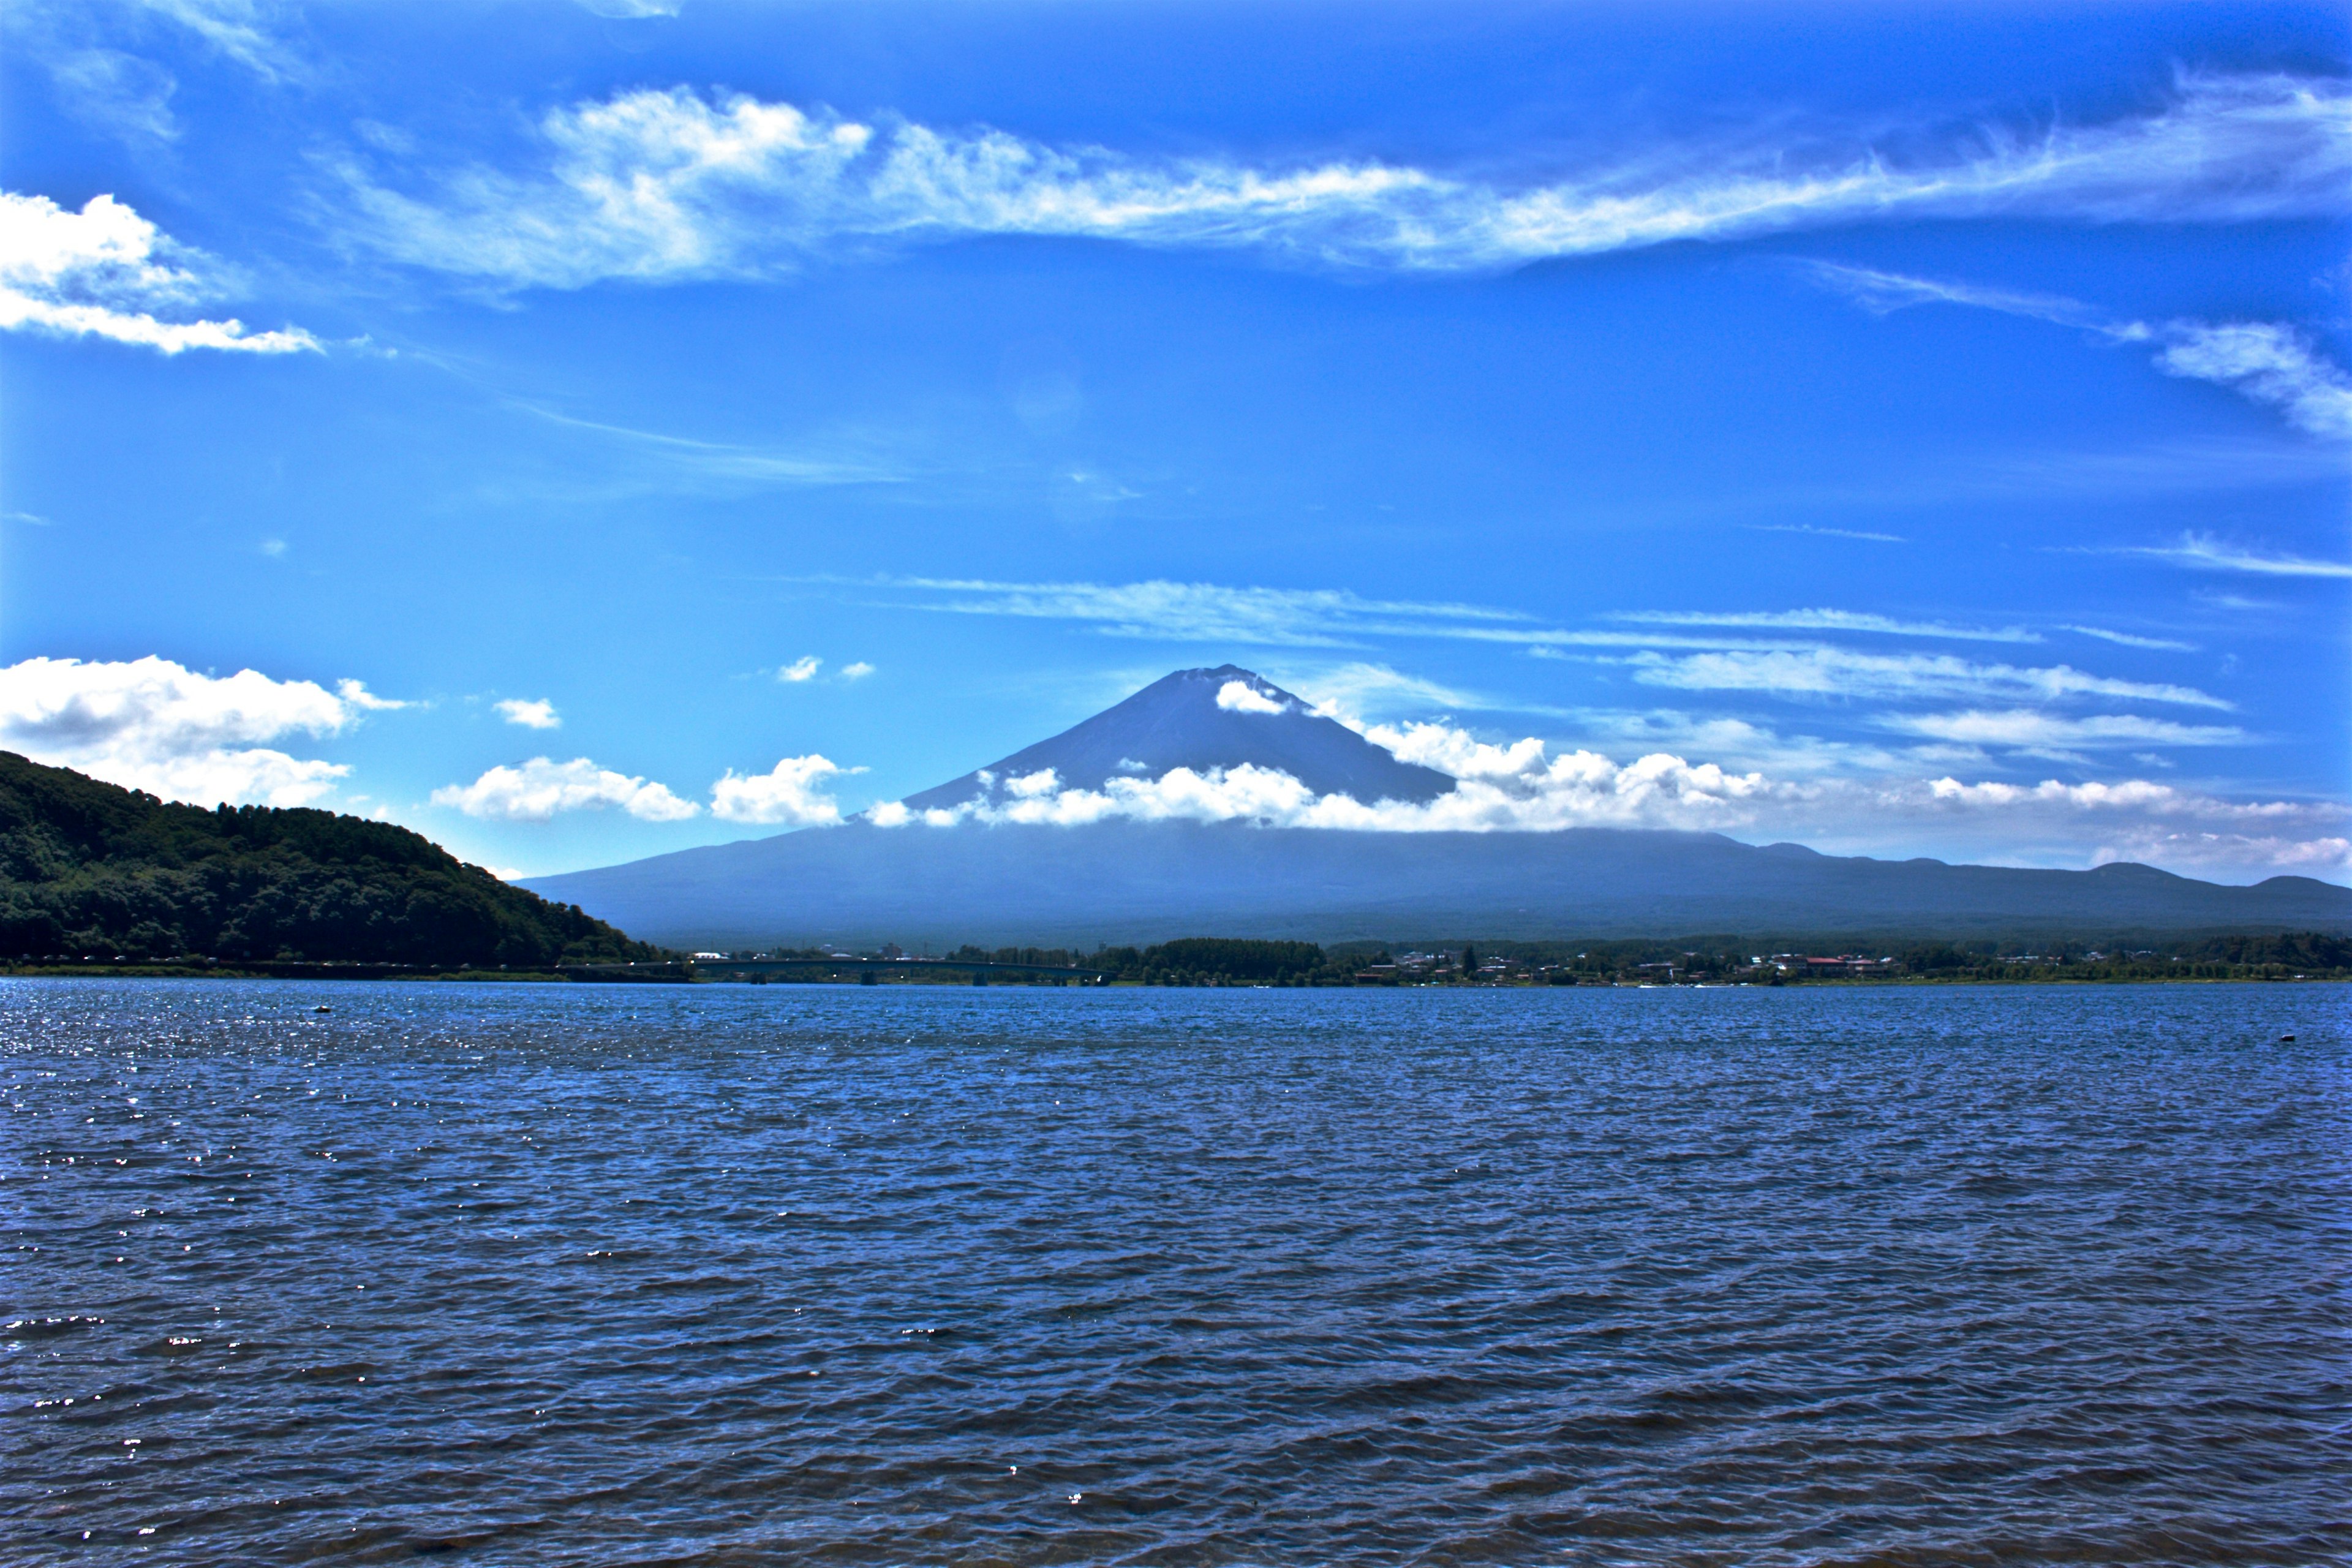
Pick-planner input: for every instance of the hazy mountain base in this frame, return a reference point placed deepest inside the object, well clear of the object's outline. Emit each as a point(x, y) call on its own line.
point(1136, 883)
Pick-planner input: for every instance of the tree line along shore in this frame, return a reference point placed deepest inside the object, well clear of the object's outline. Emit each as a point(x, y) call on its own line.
point(1714, 961)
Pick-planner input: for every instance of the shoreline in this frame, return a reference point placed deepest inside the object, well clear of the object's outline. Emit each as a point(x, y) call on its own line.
point(361, 973)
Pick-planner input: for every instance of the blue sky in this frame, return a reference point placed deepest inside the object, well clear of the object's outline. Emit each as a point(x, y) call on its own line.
point(577, 433)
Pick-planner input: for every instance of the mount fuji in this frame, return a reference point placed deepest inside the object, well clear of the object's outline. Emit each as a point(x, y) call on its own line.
point(956, 863)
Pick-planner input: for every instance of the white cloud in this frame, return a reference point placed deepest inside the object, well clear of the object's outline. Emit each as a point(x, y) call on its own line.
point(155, 725)
point(1842, 672)
point(2268, 363)
point(102, 272)
point(800, 670)
point(1830, 621)
point(793, 791)
point(539, 715)
point(536, 790)
point(2204, 551)
point(1241, 696)
point(856, 671)
point(656, 185)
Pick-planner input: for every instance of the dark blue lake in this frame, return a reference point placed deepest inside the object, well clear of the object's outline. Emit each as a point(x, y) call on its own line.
point(731, 1274)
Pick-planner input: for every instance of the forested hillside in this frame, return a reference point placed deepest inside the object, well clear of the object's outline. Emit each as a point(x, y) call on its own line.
point(90, 869)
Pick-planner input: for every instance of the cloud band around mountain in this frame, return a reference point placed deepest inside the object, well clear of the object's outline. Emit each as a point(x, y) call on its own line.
point(1525, 788)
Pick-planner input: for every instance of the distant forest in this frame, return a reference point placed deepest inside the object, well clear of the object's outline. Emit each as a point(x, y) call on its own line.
point(90, 870)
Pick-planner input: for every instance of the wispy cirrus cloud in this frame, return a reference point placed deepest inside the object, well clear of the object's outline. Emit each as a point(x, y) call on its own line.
point(1344, 692)
point(722, 462)
point(1340, 618)
point(2209, 553)
point(2132, 639)
point(1867, 536)
point(656, 185)
point(246, 31)
point(1847, 672)
point(1209, 612)
point(1828, 621)
point(2269, 362)
point(2035, 730)
point(103, 272)
point(1882, 293)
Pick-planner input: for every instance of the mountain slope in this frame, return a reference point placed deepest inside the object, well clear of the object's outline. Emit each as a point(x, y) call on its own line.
point(1136, 882)
point(1204, 718)
point(87, 868)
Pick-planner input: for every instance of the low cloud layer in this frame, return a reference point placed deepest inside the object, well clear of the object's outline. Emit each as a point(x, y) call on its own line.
point(155, 725)
point(659, 185)
point(103, 272)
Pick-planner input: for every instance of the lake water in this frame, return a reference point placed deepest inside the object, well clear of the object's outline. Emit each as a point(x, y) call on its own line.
point(903, 1275)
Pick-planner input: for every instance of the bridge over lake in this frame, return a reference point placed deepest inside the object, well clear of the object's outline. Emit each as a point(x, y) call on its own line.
point(868, 970)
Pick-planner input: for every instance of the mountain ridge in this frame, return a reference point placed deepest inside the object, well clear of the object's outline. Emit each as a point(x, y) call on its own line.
point(947, 870)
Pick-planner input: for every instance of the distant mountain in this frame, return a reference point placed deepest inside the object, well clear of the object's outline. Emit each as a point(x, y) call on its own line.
point(1134, 882)
point(87, 867)
point(1125, 882)
point(1204, 718)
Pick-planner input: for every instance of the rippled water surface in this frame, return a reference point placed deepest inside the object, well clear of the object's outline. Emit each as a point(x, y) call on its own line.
point(522, 1274)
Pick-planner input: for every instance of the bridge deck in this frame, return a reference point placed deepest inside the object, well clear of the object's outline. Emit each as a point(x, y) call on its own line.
point(748, 966)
